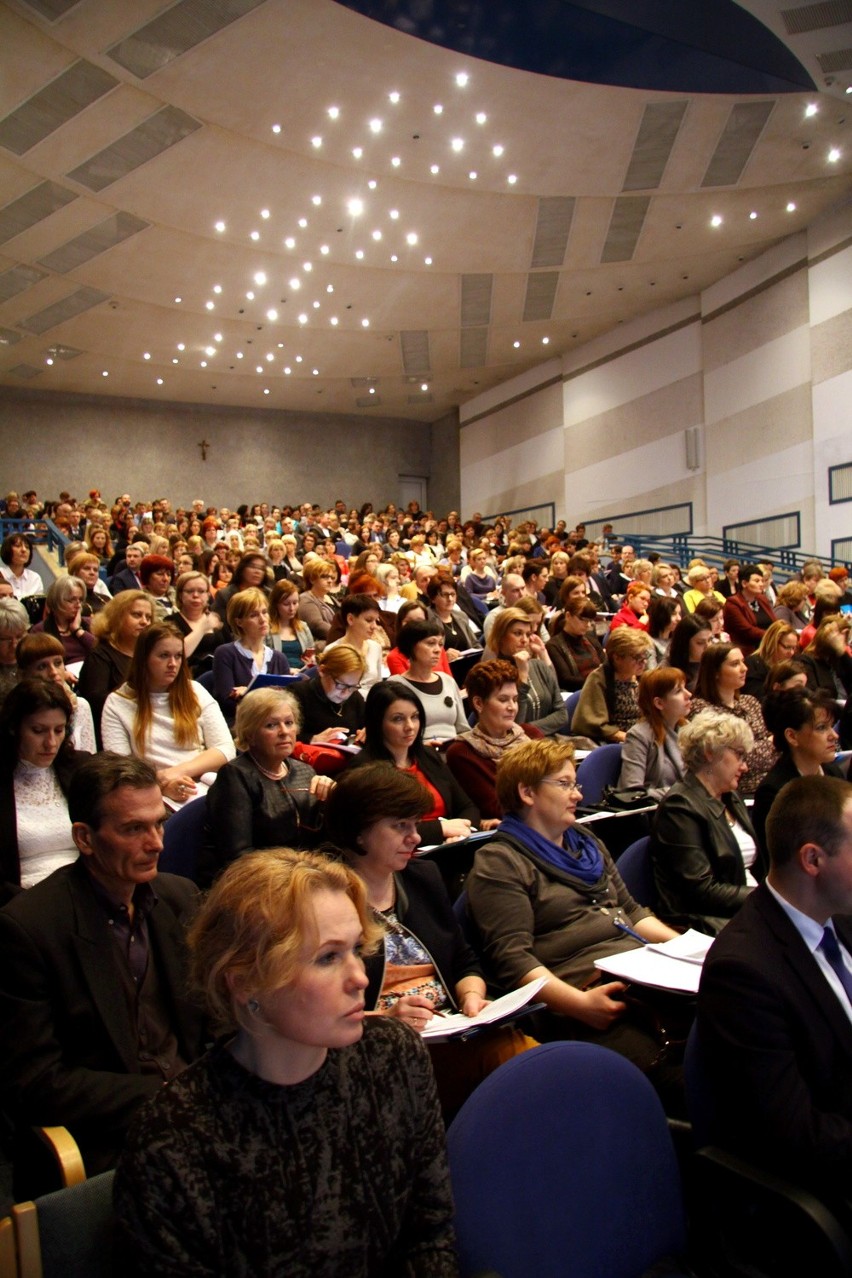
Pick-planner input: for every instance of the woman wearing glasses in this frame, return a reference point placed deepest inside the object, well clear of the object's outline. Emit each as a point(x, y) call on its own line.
point(264, 798)
point(315, 608)
point(331, 705)
point(609, 701)
point(548, 900)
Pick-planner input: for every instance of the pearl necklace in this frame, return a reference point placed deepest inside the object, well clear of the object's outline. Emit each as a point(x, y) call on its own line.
point(273, 776)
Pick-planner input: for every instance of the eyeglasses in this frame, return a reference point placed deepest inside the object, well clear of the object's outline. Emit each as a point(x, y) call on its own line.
point(566, 786)
point(345, 687)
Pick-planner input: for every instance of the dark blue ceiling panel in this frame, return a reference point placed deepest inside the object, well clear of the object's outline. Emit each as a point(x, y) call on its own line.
point(678, 46)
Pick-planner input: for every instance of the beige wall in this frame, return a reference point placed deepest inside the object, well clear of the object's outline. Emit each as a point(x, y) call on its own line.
point(760, 364)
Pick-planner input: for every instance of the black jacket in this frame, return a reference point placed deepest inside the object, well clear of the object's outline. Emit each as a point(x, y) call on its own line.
point(457, 803)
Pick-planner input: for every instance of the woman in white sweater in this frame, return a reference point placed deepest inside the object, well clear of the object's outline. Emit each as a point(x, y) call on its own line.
point(161, 716)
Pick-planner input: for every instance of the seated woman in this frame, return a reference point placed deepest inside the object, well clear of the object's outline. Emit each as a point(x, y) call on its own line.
point(826, 659)
point(826, 603)
point(236, 664)
point(720, 679)
point(394, 721)
point(458, 636)
point(116, 630)
point(316, 608)
point(574, 649)
point(784, 677)
point(802, 727)
point(792, 605)
point(41, 656)
point(86, 568)
point(157, 574)
point(97, 542)
point(634, 611)
point(651, 758)
point(703, 844)
point(492, 689)
point(779, 643)
point(359, 615)
point(331, 705)
point(16, 553)
point(264, 798)
point(359, 1184)
point(37, 761)
point(14, 624)
point(63, 618)
point(411, 610)
point(221, 574)
point(287, 633)
point(664, 612)
point(700, 586)
point(547, 900)
point(422, 643)
point(478, 579)
point(250, 573)
point(712, 613)
point(201, 628)
point(728, 584)
point(388, 578)
point(608, 706)
point(161, 716)
point(424, 965)
point(514, 637)
point(689, 639)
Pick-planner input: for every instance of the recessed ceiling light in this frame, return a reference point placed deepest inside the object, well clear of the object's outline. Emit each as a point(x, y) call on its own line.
point(175, 359)
point(396, 161)
point(516, 345)
point(424, 386)
point(210, 350)
point(307, 266)
point(266, 390)
point(752, 215)
point(217, 337)
point(435, 169)
point(264, 213)
point(287, 371)
point(438, 109)
point(359, 253)
point(393, 214)
point(315, 372)
point(260, 277)
point(217, 288)
point(250, 295)
point(204, 363)
point(334, 321)
point(849, 88)
point(372, 390)
point(811, 109)
point(462, 79)
point(239, 354)
point(324, 249)
point(428, 261)
point(255, 235)
point(48, 360)
point(295, 283)
point(377, 235)
point(715, 220)
point(393, 97)
point(329, 288)
point(411, 238)
point(545, 341)
point(159, 381)
point(394, 257)
point(269, 357)
point(298, 359)
point(272, 315)
point(316, 199)
point(365, 323)
point(833, 155)
point(333, 112)
point(791, 208)
point(280, 346)
point(178, 300)
point(512, 179)
point(220, 226)
point(457, 144)
point(375, 126)
point(289, 243)
point(303, 319)
point(357, 151)
point(147, 355)
point(315, 305)
point(181, 346)
point(497, 150)
point(316, 142)
point(481, 117)
point(210, 305)
point(372, 184)
point(355, 207)
point(276, 128)
point(303, 223)
point(473, 175)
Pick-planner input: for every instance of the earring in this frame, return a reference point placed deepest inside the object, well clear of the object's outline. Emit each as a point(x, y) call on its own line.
point(253, 1006)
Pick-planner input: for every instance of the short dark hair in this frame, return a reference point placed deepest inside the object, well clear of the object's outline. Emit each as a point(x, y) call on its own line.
point(415, 632)
point(807, 810)
point(379, 700)
point(13, 539)
point(794, 708)
point(749, 570)
point(369, 794)
point(355, 605)
point(98, 777)
point(533, 567)
point(25, 698)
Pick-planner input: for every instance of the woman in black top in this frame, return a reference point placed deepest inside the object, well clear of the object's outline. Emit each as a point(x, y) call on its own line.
point(331, 705)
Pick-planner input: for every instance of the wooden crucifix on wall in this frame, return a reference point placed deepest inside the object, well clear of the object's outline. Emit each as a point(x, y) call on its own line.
point(204, 444)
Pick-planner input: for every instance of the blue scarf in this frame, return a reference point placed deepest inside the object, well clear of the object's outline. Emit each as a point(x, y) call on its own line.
point(578, 855)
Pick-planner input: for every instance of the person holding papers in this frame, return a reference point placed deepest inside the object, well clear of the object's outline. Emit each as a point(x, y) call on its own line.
point(236, 664)
point(548, 900)
point(703, 844)
point(162, 716)
point(424, 966)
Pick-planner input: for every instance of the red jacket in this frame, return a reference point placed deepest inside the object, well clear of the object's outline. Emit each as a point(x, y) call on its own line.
point(741, 625)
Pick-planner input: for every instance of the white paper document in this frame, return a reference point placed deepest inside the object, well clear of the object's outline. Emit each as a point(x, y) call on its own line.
point(670, 965)
point(456, 1023)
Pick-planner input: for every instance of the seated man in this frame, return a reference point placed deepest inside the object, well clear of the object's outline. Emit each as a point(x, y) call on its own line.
point(94, 1017)
point(774, 1010)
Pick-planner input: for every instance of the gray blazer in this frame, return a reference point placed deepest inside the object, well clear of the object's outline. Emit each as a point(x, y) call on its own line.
point(644, 762)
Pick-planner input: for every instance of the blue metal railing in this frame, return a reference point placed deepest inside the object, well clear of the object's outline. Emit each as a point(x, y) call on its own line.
point(41, 532)
point(680, 549)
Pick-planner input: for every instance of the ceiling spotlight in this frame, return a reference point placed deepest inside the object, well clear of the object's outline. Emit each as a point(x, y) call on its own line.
point(359, 253)
point(269, 357)
point(239, 354)
point(181, 346)
point(357, 151)
point(435, 169)
point(220, 226)
point(427, 261)
point(178, 300)
point(298, 359)
point(315, 372)
point(516, 345)
point(333, 112)
point(324, 249)
point(295, 283)
point(316, 142)
point(372, 184)
point(264, 213)
point(266, 390)
point(250, 295)
point(396, 161)
point(48, 360)
point(512, 179)
point(289, 243)
point(715, 220)
point(210, 305)
point(303, 319)
point(752, 215)
point(375, 126)
point(355, 207)
point(315, 305)
point(462, 79)
point(147, 355)
point(833, 155)
point(255, 235)
point(307, 266)
point(272, 315)
point(303, 222)
point(393, 97)
point(481, 117)
point(377, 235)
point(260, 277)
point(811, 109)
point(217, 337)
point(473, 175)
point(791, 208)
point(438, 109)
point(545, 341)
point(457, 144)
point(276, 128)
point(424, 386)
point(329, 288)
point(159, 381)
point(288, 370)
point(411, 238)
point(372, 390)
point(365, 323)
point(316, 199)
point(204, 363)
point(497, 150)
point(394, 257)
point(217, 288)
point(175, 360)
point(334, 321)
point(210, 350)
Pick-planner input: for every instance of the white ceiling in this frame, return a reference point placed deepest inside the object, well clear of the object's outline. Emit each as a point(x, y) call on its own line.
point(104, 213)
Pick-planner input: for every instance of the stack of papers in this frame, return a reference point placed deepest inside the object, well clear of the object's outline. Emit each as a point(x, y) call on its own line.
point(670, 965)
point(502, 1009)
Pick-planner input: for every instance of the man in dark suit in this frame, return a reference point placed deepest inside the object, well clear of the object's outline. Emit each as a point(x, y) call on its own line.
point(774, 1009)
point(127, 578)
point(94, 1015)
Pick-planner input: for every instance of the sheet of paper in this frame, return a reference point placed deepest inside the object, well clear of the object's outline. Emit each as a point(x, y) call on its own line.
point(456, 1023)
